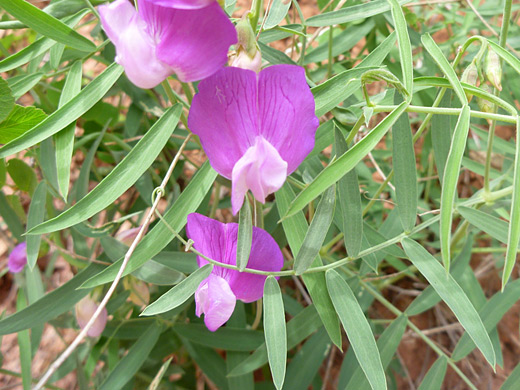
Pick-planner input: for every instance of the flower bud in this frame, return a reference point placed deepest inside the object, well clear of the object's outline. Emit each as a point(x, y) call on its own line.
point(85, 310)
point(17, 258)
point(242, 60)
point(470, 76)
point(139, 292)
point(247, 54)
point(483, 104)
point(127, 237)
point(493, 69)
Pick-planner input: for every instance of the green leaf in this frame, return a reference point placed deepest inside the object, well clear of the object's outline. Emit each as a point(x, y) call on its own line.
point(10, 218)
point(298, 329)
point(227, 338)
point(276, 13)
point(491, 313)
point(453, 295)
point(6, 100)
point(341, 166)
point(275, 332)
point(442, 62)
point(357, 328)
point(19, 121)
point(507, 56)
point(71, 111)
point(245, 235)
point(512, 381)
point(51, 305)
point(178, 294)
point(128, 366)
point(24, 345)
point(124, 175)
point(234, 358)
point(34, 217)
point(37, 48)
point(46, 24)
point(21, 84)
point(449, 187)
point(22, 174)
point(405, 47)
point(335, 90)
point(349, 199)
point(351, 14)
point(513, 237)
point(187, 202)
point(405, 171)
point(317, 231)
point(441, 131)
point(210, 362)
point(493, 226)
point(435, 375)
point(295, 229)
point(64, 140)
point(154, 385)
point(387, 345)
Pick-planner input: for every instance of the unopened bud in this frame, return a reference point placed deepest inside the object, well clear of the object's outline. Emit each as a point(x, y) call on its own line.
point(247, 54)
point(127, 237)
point(470, 76)
point(493, 69)
point(85, 309)
point(484, 104)
point(139, 292)
point(242, 60)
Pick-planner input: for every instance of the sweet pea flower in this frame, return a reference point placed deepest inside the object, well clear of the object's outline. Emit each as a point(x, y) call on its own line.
point(17, 258)
point(85, 310)
point(155, 41)
point(255, 129)
point(217, 294)
point(183, 4)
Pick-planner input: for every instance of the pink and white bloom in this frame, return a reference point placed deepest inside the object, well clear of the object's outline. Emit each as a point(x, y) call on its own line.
point(256, 129)
point(157, 41)
point(17, 258)
point(85, 310)
point(217, 294)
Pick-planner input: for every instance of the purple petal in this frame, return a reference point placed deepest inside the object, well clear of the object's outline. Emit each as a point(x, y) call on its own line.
point(286, 112)
point(223, 114)
point(17, 258)
point(218, 241)
point(85, 310)
point(195, 43)
point(135, 47)
point(260, 169)
point(183, 4)
point(215, 299)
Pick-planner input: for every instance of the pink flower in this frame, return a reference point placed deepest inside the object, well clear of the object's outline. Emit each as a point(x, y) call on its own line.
point(85, 310)
point(255, 129)
point(17, 258)
point(217, 294)
point(157, 41)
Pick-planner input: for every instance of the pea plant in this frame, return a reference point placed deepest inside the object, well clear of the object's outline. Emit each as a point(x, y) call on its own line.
point(249, 195)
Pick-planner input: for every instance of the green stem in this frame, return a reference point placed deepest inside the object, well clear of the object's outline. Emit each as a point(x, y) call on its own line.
point(173, 99)
point(505, 22)
point(256, 10)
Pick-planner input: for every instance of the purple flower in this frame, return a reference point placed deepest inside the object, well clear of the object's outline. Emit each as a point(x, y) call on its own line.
point(85, 309)
point(217, 294)
point(156, 41)
point(17, 258)
point(255, 129)
point(183, 4)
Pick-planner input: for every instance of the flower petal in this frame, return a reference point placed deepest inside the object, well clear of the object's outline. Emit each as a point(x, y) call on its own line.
point(260, 169)
point(195, 43)
point(182, 4)
point(17, 258)
point(224, 115)
point(286, 112)
point(215, 299)
point(135, 47)
point(85, 309)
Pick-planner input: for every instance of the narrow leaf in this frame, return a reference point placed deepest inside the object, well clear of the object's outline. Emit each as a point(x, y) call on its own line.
point(274, 329)
point(449, 187)
point(357, 328)
point(46, 24)
point(435, 375)
point(276, 13)
point(21, 84)
point(245, 235)
point(178, 294)
point(24, 345)
point(405, 47)
point(441, 131)
point(34, 217)
point(345, 163)
point(453, 295)
point(6, 99)
point(124, 175)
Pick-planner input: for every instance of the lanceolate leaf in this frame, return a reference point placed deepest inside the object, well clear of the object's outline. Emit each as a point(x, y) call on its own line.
point(120, 178)
point(59, 119)
point(449, 187)
point(34, 217)
point(277, 13)
point(405, 48)
point(46, 24)
point(453, 295)
point(245, 235)
point(345, 163)
point(435, 375)
point(274, 329)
